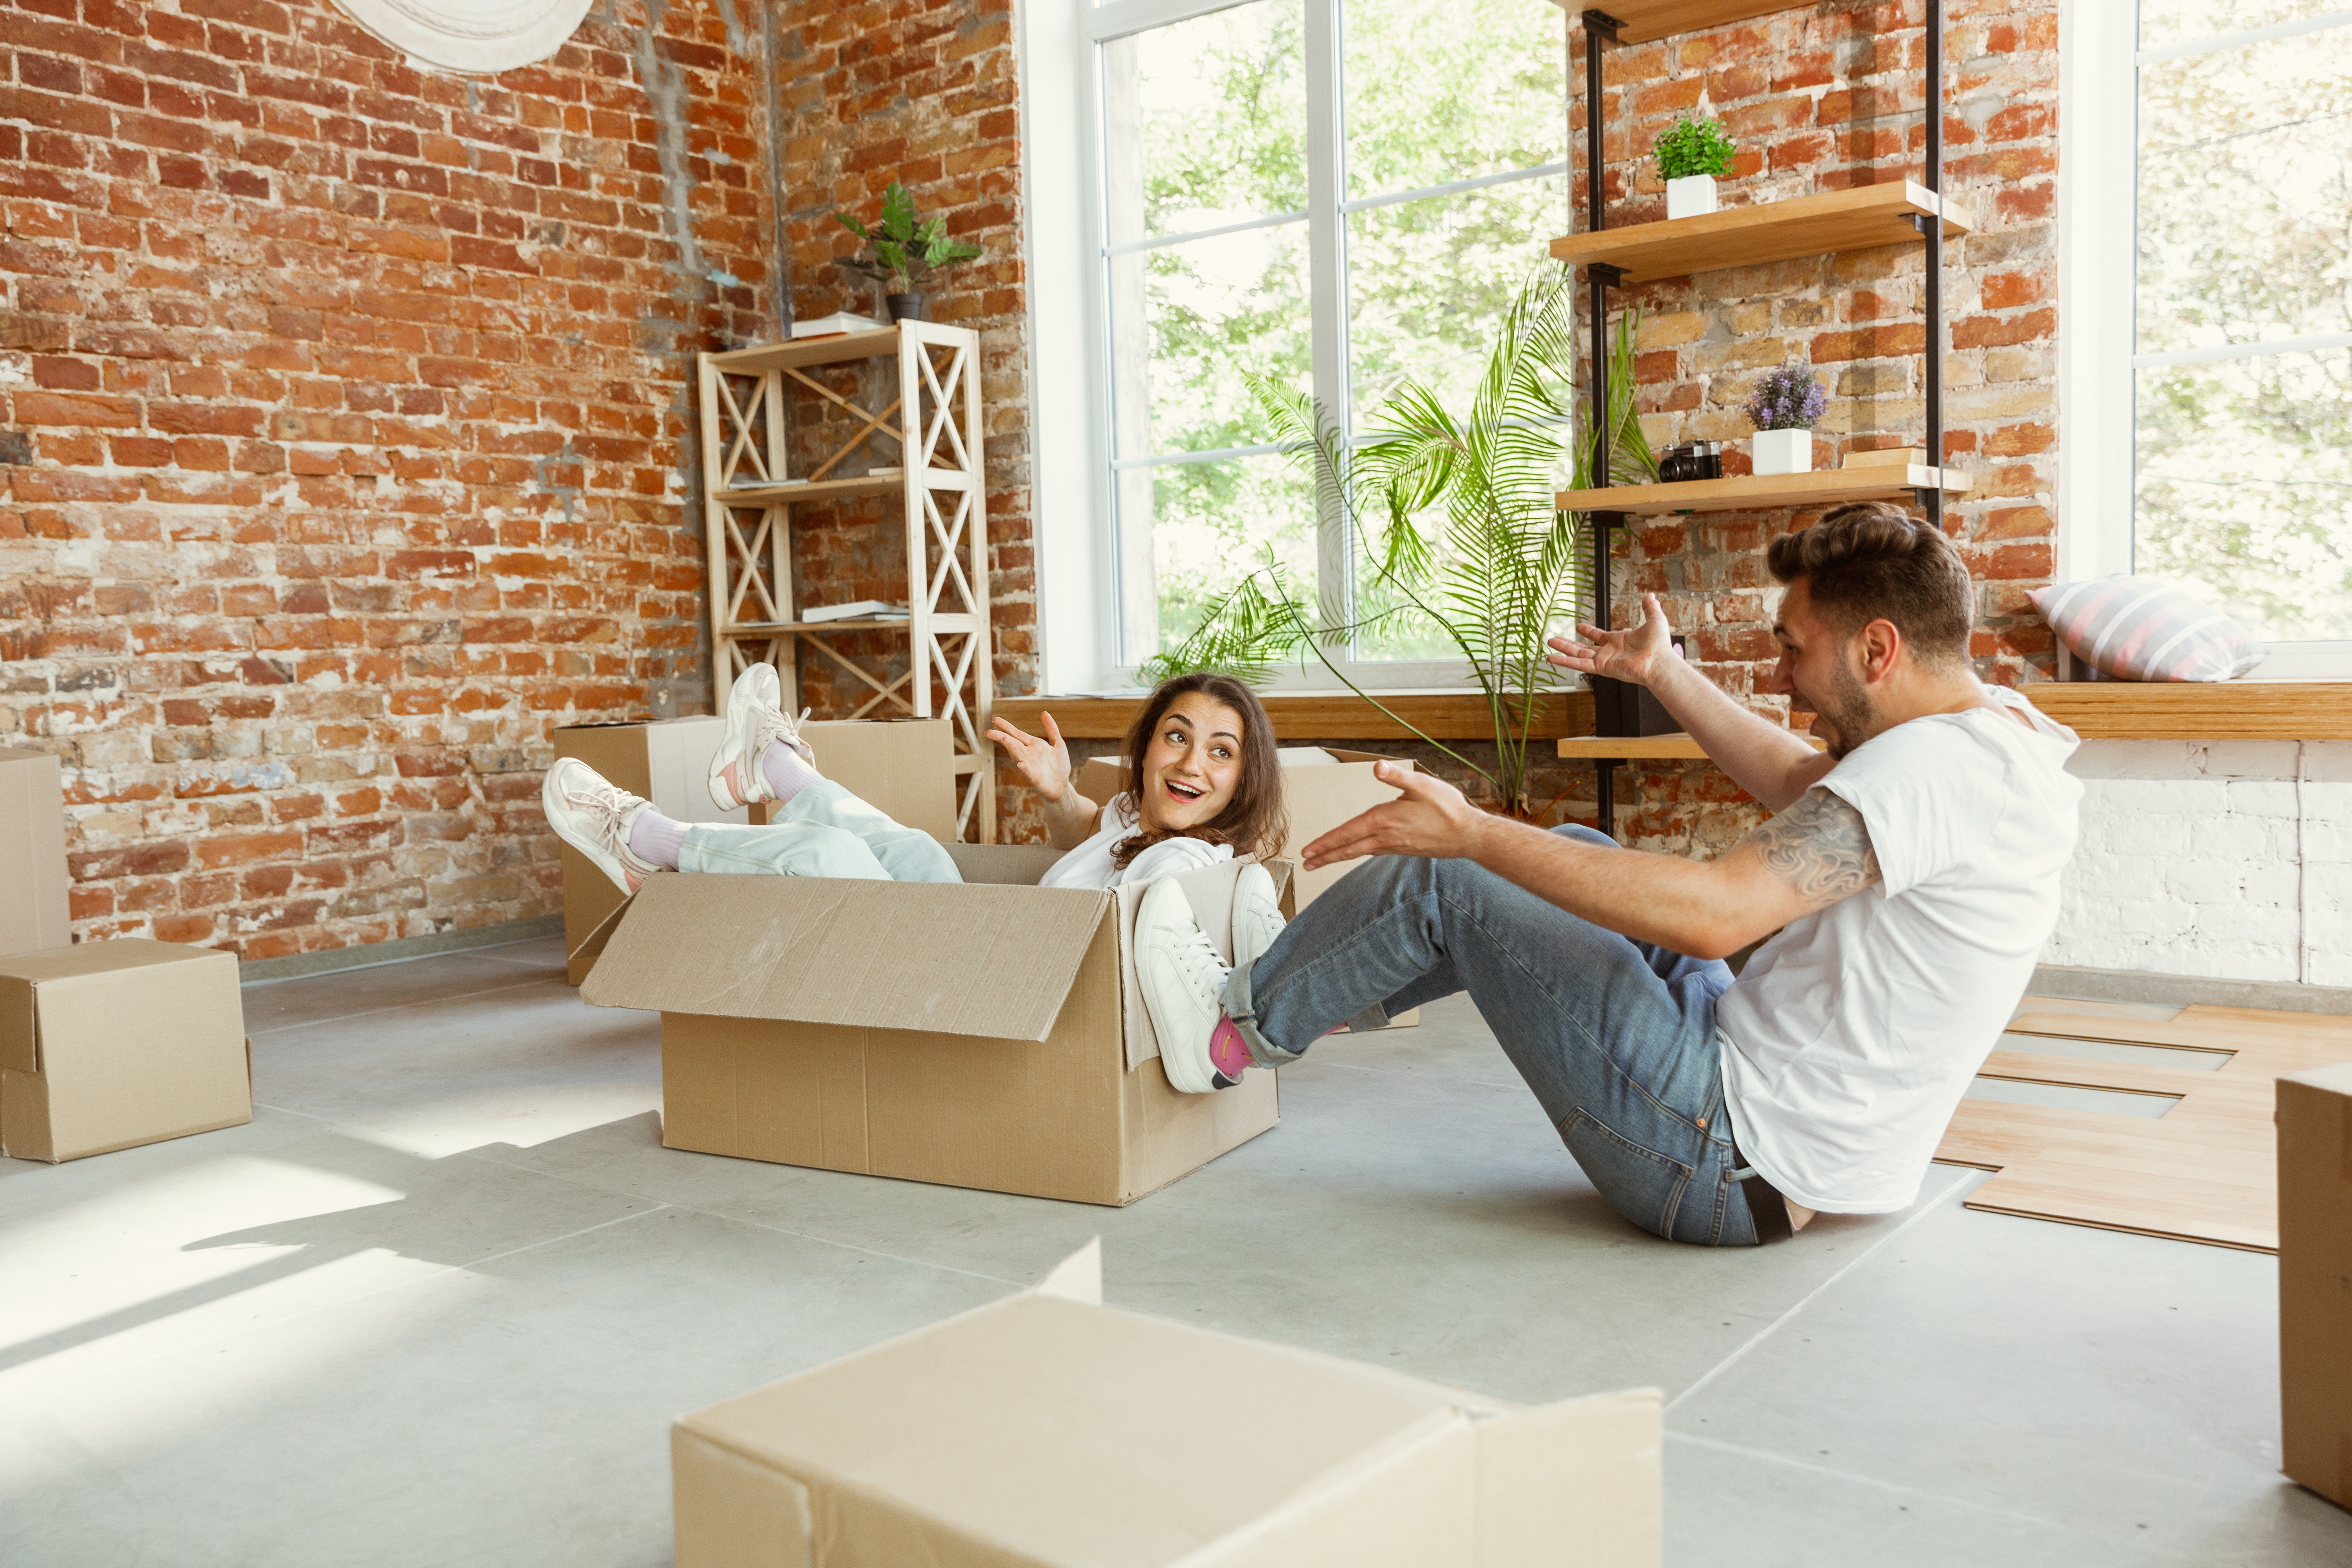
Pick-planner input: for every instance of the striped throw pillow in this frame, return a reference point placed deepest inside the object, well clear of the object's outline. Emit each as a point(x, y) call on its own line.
point(2134, 628)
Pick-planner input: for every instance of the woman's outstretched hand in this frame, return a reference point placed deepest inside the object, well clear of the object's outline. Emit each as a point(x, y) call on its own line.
point(1044, 763)
point(1630, 655)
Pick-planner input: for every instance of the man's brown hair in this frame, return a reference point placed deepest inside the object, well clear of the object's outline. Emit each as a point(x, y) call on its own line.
point(1254, 822)
point(1870, 562)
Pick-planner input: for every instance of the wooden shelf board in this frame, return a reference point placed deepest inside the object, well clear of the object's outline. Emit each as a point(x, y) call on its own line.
point(1854, 219)
point(808, 351)
point(1755, 492)
point(1643, 20)
point(815, 628)
point(819, 490)
point(1317, 716)
point(1676, 746)
point(2198, 709)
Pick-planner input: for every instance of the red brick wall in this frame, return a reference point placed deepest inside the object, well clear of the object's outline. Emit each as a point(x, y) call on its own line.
point(345, 413)
point(1824, 100)
point(926, 93)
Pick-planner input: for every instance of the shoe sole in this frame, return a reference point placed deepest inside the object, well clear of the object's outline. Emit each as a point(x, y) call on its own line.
point(1188, 1069)
point(551, 803)
point(725, 792)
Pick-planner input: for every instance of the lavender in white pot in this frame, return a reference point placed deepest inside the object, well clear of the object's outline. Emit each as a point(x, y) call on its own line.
point(1783, 406)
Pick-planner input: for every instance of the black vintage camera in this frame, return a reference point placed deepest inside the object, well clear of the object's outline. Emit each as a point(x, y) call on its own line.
point(1691, 460)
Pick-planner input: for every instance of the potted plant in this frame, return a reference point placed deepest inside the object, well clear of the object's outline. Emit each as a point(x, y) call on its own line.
point(1690, 153)
point(1783, 405)
point(908, 249)
point(1503, 562)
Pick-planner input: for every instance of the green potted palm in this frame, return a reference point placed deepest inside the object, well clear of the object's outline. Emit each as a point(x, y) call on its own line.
point(906, 250)
point(1501, 564)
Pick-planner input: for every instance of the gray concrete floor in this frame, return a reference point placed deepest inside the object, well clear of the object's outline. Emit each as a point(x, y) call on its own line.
point(439, 1301)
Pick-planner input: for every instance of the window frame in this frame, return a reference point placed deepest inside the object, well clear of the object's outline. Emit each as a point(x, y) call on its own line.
point(1327, 214)
point(2100, 60)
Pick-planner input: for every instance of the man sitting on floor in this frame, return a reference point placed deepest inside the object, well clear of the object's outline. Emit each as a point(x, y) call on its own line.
point(1911, 872)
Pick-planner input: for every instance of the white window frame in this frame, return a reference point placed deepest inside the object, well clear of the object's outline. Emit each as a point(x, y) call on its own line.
point(1071, 402)
point(2098, 174)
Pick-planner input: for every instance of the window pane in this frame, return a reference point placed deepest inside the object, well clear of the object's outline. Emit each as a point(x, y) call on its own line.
point(2244, 489)
point(1205, 122)
point(2163, 22)
point(1204, 526)
point(1188, 318)
point(1428, 282)
point(1442, 92)
point(2245, 194)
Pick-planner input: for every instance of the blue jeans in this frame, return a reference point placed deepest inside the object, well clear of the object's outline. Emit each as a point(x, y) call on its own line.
point(822, 831)
point(1615, 1036)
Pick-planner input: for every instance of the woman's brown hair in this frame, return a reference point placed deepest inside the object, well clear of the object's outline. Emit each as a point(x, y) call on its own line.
point(1252, 822)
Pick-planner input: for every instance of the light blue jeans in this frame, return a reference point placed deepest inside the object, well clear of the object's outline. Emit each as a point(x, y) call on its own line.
point(1615, 1036)
point(822, 831)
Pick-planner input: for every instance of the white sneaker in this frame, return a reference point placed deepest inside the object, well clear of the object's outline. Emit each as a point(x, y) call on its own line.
point(755, 717)
point(1183, 981)
point(1257, 917)
point(594, 816)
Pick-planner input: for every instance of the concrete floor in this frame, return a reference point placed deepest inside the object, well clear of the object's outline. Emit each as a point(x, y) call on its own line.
point(439, 1301)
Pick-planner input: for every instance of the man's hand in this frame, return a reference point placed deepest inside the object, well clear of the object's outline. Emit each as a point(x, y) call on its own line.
point(1431, 818)
point(1631, 654)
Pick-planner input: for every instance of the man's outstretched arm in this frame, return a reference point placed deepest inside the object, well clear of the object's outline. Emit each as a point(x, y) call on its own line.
point(1806, 858)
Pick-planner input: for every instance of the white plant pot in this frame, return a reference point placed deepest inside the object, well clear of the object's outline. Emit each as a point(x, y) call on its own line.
point(1690, 195)
point(1782, 451)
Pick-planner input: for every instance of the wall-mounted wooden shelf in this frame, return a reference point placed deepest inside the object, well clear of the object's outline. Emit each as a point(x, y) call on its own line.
point(1854, 219)
point(1761, 492)
point(1643, 20)
point(2198, 710)
point(1317, 716)
point(1674, 747)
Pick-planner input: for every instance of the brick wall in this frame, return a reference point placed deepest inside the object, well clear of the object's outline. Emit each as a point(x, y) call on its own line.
point(927, 94)
point(1818, 101)
point(343, 437)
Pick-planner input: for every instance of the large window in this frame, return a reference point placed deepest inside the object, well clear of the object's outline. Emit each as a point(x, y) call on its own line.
point(2240, 343)
point(1333, 194)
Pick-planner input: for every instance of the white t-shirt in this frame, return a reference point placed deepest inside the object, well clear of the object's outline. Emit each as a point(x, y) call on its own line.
point(1090, 864)
point(1850, 1037)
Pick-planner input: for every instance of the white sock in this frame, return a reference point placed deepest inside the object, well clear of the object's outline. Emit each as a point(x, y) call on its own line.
point(656, 839)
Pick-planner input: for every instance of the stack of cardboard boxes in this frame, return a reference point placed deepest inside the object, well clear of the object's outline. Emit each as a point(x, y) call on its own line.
point(109, 1044)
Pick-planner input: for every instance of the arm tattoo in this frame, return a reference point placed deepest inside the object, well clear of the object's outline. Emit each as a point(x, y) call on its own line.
point(1820, 847)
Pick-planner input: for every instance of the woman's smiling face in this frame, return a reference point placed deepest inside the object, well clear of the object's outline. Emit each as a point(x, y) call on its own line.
point(1192, 765)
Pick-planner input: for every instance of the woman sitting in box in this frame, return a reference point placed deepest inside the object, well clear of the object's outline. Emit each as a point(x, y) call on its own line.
point(1203, 788)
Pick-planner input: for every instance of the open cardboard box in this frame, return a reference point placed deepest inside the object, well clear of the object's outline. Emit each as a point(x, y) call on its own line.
point(1322, 786)
point(2315, 1278)
point(986, 1034)
point(904, 767)
point(1049, 1431)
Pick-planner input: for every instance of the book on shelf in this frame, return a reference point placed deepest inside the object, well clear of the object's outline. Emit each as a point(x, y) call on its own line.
point(834, 325)
point(856, 610)
point(1884, 457)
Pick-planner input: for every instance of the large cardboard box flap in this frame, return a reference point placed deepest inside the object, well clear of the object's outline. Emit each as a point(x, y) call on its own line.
point(1044, 1431)
point(986, 960)
point(109, 1045)
point(2315, 1268)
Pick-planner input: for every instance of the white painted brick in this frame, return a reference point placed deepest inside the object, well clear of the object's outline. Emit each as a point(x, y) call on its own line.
point(2250, 759)
point(2228, 837)
point(2203, 882)
point(2131, 760)
point(2327, 762)
point(2262, 797)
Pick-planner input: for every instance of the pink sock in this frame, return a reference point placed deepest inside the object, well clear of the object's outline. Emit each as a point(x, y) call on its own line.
point(656, 839)
point(786, 774)
point(1228, 1053)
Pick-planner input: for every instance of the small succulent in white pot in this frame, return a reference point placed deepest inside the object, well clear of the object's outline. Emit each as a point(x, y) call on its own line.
point(1783, 405)
point(1690, 155)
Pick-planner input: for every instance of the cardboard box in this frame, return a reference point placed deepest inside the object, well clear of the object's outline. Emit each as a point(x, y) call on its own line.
point(33, 913)
point(1048, 1431)
point(903, 767)
point(981, 1034)
point(1322, 786)
point(2315, 1257)
point(113, 1044)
